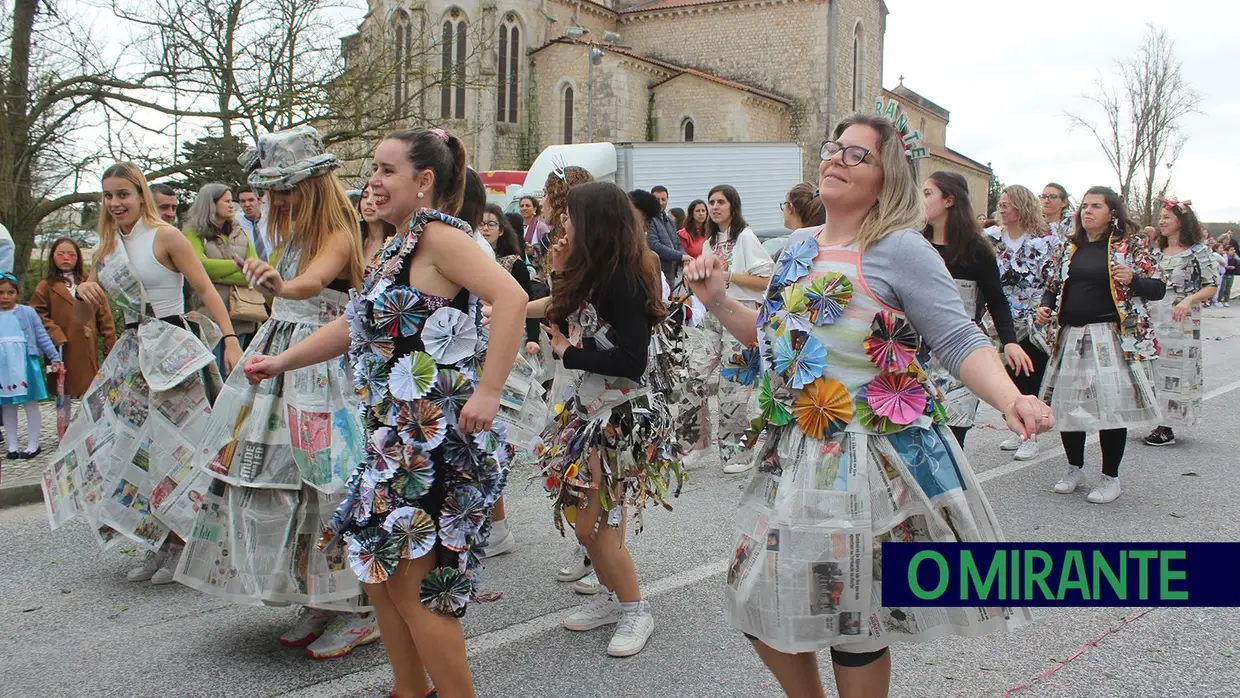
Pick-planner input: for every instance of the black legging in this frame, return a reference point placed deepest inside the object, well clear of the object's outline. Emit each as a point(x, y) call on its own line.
point(851, 660)
point(1111, 440)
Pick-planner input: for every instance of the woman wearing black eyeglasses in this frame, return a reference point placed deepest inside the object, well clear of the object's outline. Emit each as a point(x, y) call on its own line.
point(1057, 210)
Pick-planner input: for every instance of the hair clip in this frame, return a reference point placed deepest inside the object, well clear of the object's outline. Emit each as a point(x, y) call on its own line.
point(7, 276)
point(910, 140)
point(443, 135)
point(1170, 202)
point(560, 168)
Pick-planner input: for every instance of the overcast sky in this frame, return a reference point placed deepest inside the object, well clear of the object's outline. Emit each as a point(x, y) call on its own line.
point(1008, 70)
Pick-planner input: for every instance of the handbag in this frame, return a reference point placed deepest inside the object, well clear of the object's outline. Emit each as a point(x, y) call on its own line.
point(246, 304)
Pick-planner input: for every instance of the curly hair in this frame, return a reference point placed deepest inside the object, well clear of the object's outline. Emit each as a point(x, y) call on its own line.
point(1191, 230)
point(555, 203)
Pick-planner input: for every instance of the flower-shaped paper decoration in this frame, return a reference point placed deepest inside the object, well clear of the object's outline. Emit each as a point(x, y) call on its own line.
point(796, 261)
point(462, 516)
point(422, 423)
point(449, 336)
point(773, 410)
point(827, 297)
point(744, 367)
point(892, 343)
point(898, 397)
point(413, 530)
point(799, 358)
point(581, 324)
point(823, 408)
point(370, 376)
point(450, 391)
point(366, 340)
point(412, 376)
point(446, 591)
point(399, 311)
point(373, 555)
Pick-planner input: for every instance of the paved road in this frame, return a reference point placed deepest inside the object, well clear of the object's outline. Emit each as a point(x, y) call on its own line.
point(72, 626)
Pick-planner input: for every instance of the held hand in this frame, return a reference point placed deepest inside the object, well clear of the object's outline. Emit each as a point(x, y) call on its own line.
point(232, 355)
point(1017, 358)
point(559, 343)
point(685, 259)
point(478, 414)
point(531, 348)
point(1028, 416)
point(260, 273)
point(559, 254)
point(259, 368)
point(55, 367)
point(1122, 274)
point(486, 314)
point(1044, 315)
point(1181, 310)
point(707, 279)
point(92, 293)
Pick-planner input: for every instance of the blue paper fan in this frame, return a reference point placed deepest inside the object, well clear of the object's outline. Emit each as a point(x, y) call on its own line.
point(744, 367)
point(796, 261)
point(799, 358)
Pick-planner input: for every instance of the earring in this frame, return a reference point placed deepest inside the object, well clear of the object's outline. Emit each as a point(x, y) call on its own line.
point(421, 195)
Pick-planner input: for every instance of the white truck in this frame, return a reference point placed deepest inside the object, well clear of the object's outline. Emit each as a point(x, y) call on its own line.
point(761, 172)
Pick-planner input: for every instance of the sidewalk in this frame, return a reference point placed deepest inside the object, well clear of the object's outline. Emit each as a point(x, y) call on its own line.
point(19, 479)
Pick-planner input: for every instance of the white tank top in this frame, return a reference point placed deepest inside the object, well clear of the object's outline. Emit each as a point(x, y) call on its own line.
point(163, 286)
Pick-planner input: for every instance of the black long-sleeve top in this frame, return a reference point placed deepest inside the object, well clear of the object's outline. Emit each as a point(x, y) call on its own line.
point(521, 273)
point(621, 303)
point(984, 271)
point(1087, 296)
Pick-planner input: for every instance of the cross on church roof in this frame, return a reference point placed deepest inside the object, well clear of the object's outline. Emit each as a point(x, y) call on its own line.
point(901, 79)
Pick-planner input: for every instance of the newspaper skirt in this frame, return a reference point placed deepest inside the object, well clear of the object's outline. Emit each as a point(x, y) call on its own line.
point(960, 402)
point(638, 459)
point(1090, 386)
point(806, 571)
point(126, 460)
point(1178, 371)
point(707, 347)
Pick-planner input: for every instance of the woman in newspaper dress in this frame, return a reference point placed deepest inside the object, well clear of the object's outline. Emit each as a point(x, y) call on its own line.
point(1191, 275)
point(611, 444)
point(281, 450)
point(126, 461)
point(856, 453)
point(415, 508)
point(1095, 309)
point(1057, 210)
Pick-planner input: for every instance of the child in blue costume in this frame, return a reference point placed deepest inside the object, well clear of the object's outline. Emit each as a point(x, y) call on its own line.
point(22, 341)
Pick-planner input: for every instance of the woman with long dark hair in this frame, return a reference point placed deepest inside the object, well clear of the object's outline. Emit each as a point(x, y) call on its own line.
point(748, 268)
point(375, 231)
point(1099, 377)
point(1191, 276)
point(970, 260)
point(693, 234)
point(613, 447)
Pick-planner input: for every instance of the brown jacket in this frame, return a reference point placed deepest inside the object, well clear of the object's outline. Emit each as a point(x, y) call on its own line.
point(54, 304)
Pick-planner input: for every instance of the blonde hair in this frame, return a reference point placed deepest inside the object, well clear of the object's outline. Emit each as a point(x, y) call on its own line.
point(1028, 210)
point(899, 205)
point(325, 211)
point(107, 225)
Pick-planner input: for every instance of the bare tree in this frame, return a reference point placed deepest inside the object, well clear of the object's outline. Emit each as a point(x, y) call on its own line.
point(1140, 131)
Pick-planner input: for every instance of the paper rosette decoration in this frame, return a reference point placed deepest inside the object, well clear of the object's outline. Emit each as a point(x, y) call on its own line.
point(412, 376)
point(796, 261)
point(581, 324)
point(450, 391)
point(416, 474)
point(366, 340)
point(446, 591)
point(413, 530)
point(898, 397)
point(827, 297)
point(462, 516)
point(460, 453)
point(449, 336)
point(823, 408)
point(892, 343)
point(370, 376)
point(799, 358)
point(422, 423)
point(743, 367)
point(399, 311)
point(373, 555)
point(773, 409)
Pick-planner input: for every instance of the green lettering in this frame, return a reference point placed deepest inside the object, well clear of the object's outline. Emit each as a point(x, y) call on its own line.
point(1143, 571)
point(1038, 577)
point(944, 576)
point(1014, 586)
point(1166, 575)
point(1072, 576)
point(969, 575)
point(1102, 568)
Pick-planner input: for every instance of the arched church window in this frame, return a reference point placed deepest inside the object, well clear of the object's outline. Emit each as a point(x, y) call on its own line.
point(568, 114)
point(452, 65)
point(687, 130)
point(508, 70)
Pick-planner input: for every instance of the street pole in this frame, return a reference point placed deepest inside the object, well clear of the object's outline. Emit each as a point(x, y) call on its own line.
point(590, 97)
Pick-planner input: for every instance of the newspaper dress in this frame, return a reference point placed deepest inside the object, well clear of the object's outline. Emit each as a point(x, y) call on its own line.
point(855, 455)
point(960, 402)
point(1178, 368)
point(422, 487)
point(627, 422)
point(126, 460)
point(281, 451)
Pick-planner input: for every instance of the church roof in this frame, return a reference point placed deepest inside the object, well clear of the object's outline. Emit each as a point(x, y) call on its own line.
point(959, 158)
point(670, 4)
point(674, 70)
point(905, 93)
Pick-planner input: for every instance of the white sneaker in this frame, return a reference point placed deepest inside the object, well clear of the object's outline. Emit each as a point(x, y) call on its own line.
point(150, 565)
point(587, 585)
point(735, 468)
point(1071, 480)
point(603, 610)
point(309, 626)
point(574, 570)
point(632, 632)
point(502, 541)
point(164, 574)
point(345, 633)
point(1106, 491)
point(1012, 443)
point(1028, 450)
point(693, 459)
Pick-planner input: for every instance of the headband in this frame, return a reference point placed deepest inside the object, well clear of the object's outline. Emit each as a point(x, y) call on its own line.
point(910, 140)
point(1170, 202)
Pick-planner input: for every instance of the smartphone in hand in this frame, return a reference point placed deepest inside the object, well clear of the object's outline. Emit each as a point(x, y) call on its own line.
point(240, 264)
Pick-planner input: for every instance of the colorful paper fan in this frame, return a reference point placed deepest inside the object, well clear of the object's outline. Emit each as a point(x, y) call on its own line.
point(896, 396)
point(867, 418)
point(388, 451)
point(450, 391)
point(399, 311)
point(827, 297)
point(413, 530)
point(383, 502)
point(796, 261)
point(892, 343)
point(744, 367)
point(446, 591)
point(799, 358)
point(412, 376)
point(936, 411)
point(795, 299)
point(367, 340)
point(773, 410)
point(449, 336)
point(462, 515)
point(771, 305)
point(823, 408)
point(373, 555)
point(754, 431)
point(459, 453)
point(370, 377)
point(422, 423)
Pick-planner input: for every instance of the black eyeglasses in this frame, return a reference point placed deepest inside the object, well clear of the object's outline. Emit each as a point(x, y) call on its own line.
point(785, 206)
point(490, 225)
point(1049, 197)
point(853, 154)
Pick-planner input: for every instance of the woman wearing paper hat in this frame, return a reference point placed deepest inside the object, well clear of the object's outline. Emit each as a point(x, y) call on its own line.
point(281, 450)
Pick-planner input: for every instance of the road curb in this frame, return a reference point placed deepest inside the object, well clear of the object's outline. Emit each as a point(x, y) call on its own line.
point(21, 491)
